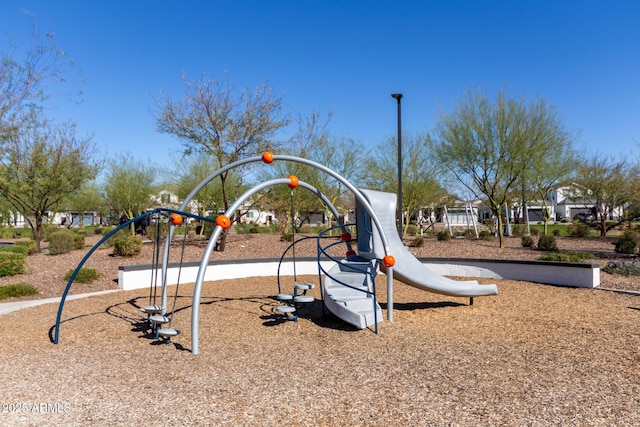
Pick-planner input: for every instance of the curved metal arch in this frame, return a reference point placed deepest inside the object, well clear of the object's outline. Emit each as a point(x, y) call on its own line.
point(295, 159)
point(204, 262)
point(363, 201)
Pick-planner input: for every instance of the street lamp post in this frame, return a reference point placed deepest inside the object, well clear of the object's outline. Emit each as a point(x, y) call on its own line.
point(398, 97)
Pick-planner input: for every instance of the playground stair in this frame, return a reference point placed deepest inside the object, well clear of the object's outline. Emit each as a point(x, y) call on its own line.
point(348, 292)
point(290, 309)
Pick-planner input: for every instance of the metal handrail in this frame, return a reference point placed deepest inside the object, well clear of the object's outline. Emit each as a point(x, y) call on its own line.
point(323, 251)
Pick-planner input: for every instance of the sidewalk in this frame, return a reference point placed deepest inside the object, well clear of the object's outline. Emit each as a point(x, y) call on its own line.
point(8, 307)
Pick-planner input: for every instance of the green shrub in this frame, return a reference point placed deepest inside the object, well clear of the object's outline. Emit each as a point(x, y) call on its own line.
point(568, 256)
point(443, 235)
point(578, 229)
point(417, 242)
point(16, 249)
point(626, 245)
point(249, 227)
point(29, 244)
point(78, 240)
point(12, 263)
point(127, 246)
point(535, 231)
point(85, 275)
point(10, 233)
point(17, 290)
point(48, 230)
point(412, 230)
point(527, 241)
point(61, 242)
point(547, 243)
point(623, 268)
point(486, 235)
point(556, 232)
point(286, 237)
point(519, 230)
point(98, 231)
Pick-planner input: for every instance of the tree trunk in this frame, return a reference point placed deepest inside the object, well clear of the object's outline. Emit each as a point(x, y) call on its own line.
point(500, 232)
point(37, 232)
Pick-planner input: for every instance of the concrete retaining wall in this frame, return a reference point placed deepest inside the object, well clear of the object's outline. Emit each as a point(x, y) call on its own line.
point(547, 272)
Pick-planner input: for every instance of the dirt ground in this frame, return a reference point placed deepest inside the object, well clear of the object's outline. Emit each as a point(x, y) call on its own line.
point(533, 355)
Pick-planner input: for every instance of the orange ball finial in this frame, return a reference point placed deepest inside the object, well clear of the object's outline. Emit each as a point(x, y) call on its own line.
point(293, 181)
point(389, 261)
point(267, 157)
point(223, 221)
point(175, 219)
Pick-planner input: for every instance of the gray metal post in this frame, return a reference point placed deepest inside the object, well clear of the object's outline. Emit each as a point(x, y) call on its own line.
point(398, 97)
point(390, 294)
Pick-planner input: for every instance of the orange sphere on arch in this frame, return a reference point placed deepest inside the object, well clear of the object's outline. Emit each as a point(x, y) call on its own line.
point(223, 221)
point(293, 181)
point(389, 261)
point(175, 219)
point(267, 157)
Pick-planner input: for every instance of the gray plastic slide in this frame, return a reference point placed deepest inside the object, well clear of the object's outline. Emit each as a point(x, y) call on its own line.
point(407, 269)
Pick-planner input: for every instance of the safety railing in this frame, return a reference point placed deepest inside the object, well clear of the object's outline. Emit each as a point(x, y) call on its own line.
point(369, 273)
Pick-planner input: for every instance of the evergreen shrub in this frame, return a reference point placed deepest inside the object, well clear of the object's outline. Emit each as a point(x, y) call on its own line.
point(127, 246)
point(12, 263)
point(547, 243)
point(61, 242)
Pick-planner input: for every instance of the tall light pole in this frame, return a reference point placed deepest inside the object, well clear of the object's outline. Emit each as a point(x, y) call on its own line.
point(398, 97)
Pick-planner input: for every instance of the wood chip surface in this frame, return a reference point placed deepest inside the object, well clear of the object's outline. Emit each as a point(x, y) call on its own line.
point(533, 355)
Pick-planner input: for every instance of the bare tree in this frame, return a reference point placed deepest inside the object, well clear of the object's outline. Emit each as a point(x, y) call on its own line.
point(214, 119)
point(25, 77)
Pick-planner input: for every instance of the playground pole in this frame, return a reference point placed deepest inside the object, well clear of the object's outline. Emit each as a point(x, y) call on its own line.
point(398, 97)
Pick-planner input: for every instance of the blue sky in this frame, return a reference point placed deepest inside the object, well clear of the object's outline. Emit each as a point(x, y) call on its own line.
point(347, 57)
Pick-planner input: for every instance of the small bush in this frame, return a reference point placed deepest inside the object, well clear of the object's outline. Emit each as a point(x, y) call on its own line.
point(527, 241)
point(98, 231)
point(29, 244)
point(61, 242)
point(412, 230)
point(535, 231)
point(486, 235)
point(286, 237)
point(17, 290)
point(127, 246)
point(578, 229)
point(518, 230)
point(48, 230)
point(568, 256)
point(443, 235)
point(85, 275)
point(626, 246)
point(556, 232)
point(15, 248)
point(12, 263)
point(417, 242)
point(623, 268)
point(547, 243)
point(78, 240)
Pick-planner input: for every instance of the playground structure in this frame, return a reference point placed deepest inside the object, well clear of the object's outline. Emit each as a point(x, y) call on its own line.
point(348, 289)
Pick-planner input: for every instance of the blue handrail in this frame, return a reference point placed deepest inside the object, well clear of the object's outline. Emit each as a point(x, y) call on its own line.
point(322, 251)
